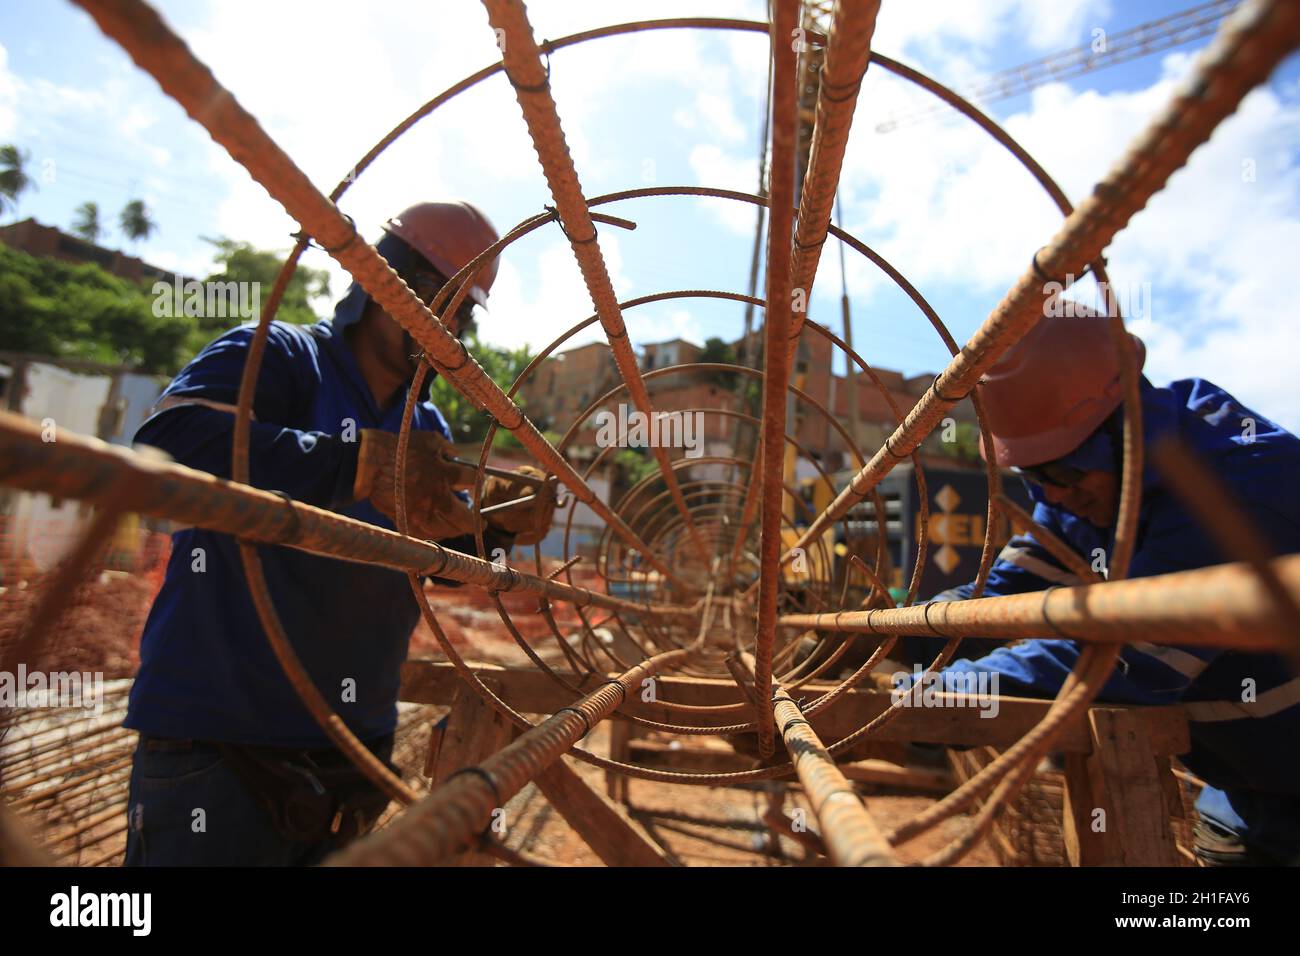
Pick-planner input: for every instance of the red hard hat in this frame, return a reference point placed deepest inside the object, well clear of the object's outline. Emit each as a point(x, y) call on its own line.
point(1053, 388)
point(449, 235)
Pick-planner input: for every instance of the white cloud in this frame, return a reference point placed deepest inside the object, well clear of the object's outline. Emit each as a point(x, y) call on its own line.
point(951, 210)
point(680, 324)
point(344, 81)
point(533, 315)
point(932, 30)
point(8, 95)
point(714, 167)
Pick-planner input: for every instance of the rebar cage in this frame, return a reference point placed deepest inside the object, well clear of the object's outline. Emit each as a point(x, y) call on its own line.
point(698, 571)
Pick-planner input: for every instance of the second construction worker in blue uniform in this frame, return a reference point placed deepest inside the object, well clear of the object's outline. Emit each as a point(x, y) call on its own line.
point(1054, 412)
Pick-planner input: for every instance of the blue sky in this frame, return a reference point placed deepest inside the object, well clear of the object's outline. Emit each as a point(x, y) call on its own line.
point(949, 209)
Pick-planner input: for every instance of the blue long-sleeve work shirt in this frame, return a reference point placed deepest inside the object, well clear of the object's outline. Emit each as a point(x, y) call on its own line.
point(206, 669)
point(1245, 749)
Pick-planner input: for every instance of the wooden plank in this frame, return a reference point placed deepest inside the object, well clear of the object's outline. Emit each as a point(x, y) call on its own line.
point(436, 733)
point(620, 736)
point(1139, 814)
point(617, 839)
point(532, 692)
point(473, 732)
point(697, 754)
point(1085, 845)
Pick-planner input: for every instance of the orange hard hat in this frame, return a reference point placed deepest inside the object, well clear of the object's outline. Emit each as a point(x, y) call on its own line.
point(1053, 388)
point(449, 235)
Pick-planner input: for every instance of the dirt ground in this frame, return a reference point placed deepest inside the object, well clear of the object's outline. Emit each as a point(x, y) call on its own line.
point(710, 826)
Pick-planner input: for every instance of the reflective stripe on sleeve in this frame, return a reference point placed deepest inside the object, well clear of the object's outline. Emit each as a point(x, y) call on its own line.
point(1271, 702)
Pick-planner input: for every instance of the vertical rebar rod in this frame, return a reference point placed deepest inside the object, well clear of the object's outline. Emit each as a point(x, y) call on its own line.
point(776, 355)
point(848, 52)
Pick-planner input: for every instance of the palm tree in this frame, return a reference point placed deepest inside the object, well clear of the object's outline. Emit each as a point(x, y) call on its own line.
point(13, 177)
point(135, 221)
point(87, 224)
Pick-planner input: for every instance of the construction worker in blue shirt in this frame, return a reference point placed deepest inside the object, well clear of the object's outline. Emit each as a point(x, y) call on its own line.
point(230, 766)
point(1054, 413)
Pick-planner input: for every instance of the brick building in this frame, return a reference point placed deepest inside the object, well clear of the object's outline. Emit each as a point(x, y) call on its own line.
point(567, 382)
point(47, 242)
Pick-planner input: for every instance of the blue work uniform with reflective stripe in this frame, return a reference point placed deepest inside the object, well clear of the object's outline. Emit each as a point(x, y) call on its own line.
point(206, 669)
point(1244, 750)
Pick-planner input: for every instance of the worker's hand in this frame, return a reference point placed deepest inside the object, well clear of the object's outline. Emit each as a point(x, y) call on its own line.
point(431, 504)
point(529, 521)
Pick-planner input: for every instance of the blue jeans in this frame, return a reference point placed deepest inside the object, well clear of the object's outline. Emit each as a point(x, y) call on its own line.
point(188, 807)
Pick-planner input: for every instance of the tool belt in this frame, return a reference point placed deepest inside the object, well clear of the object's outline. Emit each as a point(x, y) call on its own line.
point(311, 795)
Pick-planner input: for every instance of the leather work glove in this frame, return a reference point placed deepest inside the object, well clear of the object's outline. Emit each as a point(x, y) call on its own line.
point(435, 512)
point(529, 521)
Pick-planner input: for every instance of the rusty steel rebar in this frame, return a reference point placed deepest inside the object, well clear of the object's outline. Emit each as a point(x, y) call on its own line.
point(451, 817)
point(1221, 606)
point(848, 831)
point(88, 469)
point(850, 834)
point(777, 312)
point(848, 53)
point(1242, 606)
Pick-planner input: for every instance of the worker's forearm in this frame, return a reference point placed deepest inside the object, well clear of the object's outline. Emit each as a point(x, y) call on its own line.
point(313, 467)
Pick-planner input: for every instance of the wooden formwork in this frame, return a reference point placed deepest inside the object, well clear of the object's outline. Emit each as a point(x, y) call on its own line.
point(1031, 830)
point(1109, 797)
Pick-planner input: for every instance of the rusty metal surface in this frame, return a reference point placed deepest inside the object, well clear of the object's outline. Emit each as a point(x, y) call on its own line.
point(778, 318)
point(1221, 606)
point(848, 53)
point(453, 815)
point(87, 469)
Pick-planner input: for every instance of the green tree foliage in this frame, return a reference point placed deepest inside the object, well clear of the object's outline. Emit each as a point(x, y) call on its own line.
point(87, 224)
point(636, 464)
point(14, 180)
point(719, 352)
point(136, 222)
point(81, 311)
point(467, 423)
point(964, 443)
point(241, 262)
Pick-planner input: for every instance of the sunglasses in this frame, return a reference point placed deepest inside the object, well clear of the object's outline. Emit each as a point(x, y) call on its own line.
point(1051, 473)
